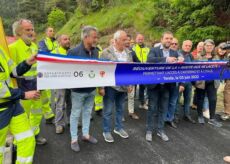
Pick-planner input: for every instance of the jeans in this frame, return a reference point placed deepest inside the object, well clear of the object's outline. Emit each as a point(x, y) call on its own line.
point(172, 105)
point(187, 93)
point(158, 105)
point(113, 96)
point(206, 103)
point(212, 98)
point(81, 102)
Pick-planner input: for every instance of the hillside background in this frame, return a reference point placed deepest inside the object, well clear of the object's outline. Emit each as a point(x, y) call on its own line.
point(187, 19)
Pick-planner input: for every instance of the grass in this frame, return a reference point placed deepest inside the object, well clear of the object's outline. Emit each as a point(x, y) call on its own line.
point(134, 17)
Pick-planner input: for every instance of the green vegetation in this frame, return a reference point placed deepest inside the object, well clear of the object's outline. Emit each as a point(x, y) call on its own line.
point(56, 18)
point(187, 19)
point(124, 16)
point(35, 10)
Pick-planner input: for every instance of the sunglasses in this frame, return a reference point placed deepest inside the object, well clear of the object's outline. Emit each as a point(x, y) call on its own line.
point(174, 44)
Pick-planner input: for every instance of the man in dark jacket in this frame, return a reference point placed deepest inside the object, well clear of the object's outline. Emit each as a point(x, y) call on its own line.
point(186, 89)
point(159, 93)
point(83, 98)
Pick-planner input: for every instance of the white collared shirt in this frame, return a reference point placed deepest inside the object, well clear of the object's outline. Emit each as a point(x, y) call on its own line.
point(165, 51)
point(121, 56)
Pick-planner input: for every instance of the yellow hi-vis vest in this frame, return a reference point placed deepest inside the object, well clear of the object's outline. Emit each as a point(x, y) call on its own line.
point(20, 52)
point(99, 50)
point(51, 45)
point(6, 67)
point(142, 53)
point(59, 50)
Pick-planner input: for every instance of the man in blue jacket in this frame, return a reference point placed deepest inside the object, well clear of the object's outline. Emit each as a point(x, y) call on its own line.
point(159, 93)
point(83, 98)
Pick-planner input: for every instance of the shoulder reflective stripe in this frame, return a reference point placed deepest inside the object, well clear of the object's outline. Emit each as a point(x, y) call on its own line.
point(8, 81)
point(24, 135)
point(2, 149)
point(28, 77)
point(3, 55)
point(57, 50)
point(14, 72)
point(25, 159)
point(99, 105)
point(3, 90)
point(36, 111)
point(34, 128)
point(49, 114)
point(10, 63)
point(33, 69)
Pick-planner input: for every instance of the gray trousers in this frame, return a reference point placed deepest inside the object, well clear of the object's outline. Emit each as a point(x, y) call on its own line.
point(131, 100)
point(63, 101)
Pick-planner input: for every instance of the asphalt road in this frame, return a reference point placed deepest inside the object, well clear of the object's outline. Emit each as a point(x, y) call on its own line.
point(189, 144)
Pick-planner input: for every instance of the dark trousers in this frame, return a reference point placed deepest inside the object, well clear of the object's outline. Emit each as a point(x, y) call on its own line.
point(158, 105)
point(194, 97)
point(142, 94)
point(212, 98)
point(187, 93)
point(172, 104)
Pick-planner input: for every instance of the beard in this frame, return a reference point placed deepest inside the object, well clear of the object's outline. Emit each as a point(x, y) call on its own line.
point(166, 45)
point(27, 39)
point(66, 46)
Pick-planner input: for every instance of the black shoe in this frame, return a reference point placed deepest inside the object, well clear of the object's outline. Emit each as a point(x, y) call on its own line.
point(189, 119)
point(172, 124)
point(50, 120)
point(99, 112)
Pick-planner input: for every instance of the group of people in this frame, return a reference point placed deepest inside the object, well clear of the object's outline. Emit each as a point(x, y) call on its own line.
point(160, 100)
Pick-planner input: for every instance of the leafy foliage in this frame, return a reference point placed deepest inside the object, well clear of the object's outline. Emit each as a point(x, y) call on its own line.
point(187, 19)
point(35, 10)
point(56, 18)
point(194, 19)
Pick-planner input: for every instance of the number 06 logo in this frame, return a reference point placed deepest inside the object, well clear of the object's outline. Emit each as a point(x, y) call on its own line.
point(78, 74)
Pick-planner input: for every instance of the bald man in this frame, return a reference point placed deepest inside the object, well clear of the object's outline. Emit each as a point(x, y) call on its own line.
point(63, 96)
point(140, 54)
point(49, 43)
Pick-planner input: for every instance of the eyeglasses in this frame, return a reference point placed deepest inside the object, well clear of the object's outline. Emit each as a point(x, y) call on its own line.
point(174, 44)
